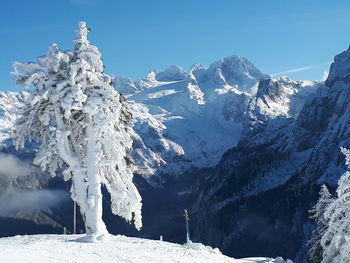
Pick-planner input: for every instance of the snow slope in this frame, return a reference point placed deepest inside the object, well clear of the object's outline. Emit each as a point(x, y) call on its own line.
point(64, 248)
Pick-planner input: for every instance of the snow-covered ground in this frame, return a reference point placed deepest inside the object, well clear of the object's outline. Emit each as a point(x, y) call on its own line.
point(65, 248)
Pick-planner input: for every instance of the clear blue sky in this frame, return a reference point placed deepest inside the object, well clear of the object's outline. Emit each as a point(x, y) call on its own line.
point(135, 36)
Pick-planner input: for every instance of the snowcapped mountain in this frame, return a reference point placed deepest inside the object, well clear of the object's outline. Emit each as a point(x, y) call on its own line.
point(65, 248)
point(189, 119)
point(268, 123)
point(276, 103)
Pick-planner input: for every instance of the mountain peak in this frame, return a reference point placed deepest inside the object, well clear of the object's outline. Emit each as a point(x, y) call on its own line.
point(340, 68)
point(233, 65)
point(236, 70)
point(173, 73)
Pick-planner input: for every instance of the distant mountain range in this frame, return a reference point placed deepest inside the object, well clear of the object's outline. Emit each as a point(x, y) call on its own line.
point(246, 153)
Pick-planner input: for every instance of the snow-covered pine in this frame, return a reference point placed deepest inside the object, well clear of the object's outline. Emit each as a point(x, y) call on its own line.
point(79, 119)
point(317, 214)
point(336, 239)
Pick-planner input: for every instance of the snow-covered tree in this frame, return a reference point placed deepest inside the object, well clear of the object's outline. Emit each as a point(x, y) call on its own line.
point(79, 119)
point(317, 214)
point(336, 239)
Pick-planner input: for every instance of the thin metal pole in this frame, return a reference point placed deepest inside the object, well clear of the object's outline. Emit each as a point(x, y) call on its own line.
point(188, 237)
point(75, 218)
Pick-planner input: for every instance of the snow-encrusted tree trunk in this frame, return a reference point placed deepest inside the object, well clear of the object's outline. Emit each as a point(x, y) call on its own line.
point(336, 239)
point(317, 214)
point(93, 213)
point(79, 119)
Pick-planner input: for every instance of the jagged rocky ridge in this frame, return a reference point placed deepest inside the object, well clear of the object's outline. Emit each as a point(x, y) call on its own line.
point(245, 152)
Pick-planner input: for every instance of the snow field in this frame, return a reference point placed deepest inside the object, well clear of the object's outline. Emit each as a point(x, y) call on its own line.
point(66, 248)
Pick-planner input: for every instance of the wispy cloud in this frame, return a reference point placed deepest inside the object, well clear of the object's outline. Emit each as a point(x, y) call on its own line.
point(299, 69)
point(15, 173)
point(11, 167)
point(18, 200)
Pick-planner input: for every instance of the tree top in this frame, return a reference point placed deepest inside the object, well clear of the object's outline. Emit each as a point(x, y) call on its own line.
point(82, 33)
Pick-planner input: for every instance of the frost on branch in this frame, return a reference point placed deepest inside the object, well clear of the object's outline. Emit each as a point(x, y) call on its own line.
point(79, 119)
